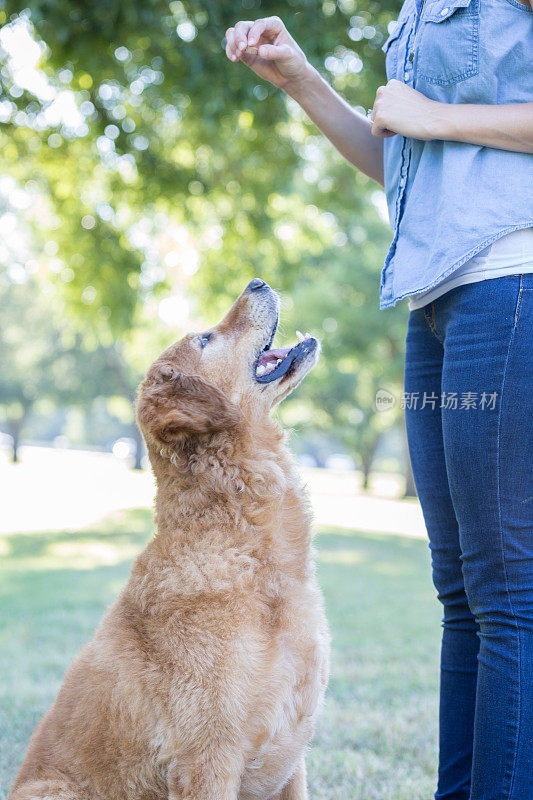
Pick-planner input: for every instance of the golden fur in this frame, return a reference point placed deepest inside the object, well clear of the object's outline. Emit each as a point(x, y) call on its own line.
point(205, 677)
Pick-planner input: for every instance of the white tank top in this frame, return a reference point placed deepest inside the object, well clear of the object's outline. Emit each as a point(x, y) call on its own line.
point(510, 255)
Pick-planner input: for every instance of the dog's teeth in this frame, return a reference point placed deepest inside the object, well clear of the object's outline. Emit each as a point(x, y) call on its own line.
point(260, 370)
point(279, 361)
point(300, 336)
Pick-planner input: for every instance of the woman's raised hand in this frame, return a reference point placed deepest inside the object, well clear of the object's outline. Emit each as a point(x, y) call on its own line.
point(270, 51)
point(268, 48)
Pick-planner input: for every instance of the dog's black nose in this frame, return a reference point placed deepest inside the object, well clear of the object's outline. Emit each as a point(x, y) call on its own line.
point(256, 283)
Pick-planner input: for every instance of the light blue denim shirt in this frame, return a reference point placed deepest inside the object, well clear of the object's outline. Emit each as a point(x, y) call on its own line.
point(449, 200)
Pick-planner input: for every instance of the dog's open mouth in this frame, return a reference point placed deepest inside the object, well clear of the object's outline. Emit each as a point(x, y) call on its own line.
point(273, 364)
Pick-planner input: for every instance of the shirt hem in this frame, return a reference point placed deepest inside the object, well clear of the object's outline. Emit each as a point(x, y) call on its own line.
point(471, 277)
point(459, 263)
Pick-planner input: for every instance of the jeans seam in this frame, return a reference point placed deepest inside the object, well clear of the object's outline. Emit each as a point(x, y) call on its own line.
point(506, 576)
point(519, 301)
point(431, 322)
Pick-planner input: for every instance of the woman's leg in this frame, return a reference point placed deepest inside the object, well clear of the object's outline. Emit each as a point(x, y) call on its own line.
point(487, 329)
point(423, 375)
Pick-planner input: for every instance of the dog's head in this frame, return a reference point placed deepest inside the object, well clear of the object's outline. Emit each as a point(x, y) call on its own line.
point(211, 381)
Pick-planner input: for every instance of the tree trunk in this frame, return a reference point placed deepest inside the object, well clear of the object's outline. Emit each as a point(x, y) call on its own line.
point(139, 451)
point(129, 393)
point(366, 465)
point(367, 459)
point(15, 429)
point(15, 449)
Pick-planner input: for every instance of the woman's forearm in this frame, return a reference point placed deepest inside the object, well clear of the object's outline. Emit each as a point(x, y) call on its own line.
point(348, 131)
point(269, 50)
point(508, 127)
point(399, 108)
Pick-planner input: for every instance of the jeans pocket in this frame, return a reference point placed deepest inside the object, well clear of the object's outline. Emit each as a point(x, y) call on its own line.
point(449, 42)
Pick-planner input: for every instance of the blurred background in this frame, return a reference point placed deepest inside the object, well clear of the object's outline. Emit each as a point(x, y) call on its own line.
point(144, 181)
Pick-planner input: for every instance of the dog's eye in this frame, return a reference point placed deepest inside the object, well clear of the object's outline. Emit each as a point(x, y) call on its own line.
point(204, 338)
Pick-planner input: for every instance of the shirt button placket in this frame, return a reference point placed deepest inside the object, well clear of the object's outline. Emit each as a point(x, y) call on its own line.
point(408, 70)
point(406, 149)
point(408, 64)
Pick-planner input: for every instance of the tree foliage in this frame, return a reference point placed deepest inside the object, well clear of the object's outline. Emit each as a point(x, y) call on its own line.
point(43, 359)
point(165, 135)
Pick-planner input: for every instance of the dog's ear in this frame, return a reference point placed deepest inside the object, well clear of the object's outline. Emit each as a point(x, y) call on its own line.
point(179, 405)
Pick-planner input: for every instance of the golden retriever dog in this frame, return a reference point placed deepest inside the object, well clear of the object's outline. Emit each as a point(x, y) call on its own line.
point(205, 678)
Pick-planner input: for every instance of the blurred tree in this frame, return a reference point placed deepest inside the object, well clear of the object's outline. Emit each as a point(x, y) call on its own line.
point(360, 352)
point(46, 359)
point(142, 115)
point(138, 128)
point(42, 358)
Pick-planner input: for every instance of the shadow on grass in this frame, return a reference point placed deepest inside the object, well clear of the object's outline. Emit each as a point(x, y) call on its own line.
point(376, 737)
point(54, 589)
point(55, 571)
point(132, 526)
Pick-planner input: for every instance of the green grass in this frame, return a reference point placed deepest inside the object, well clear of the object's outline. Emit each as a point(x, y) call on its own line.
point(377, 735)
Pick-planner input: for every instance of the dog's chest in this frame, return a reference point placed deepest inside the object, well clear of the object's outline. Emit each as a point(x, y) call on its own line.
point(288, 704)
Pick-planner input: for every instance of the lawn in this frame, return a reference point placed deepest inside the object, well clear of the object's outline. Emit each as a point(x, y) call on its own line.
point(377, 735)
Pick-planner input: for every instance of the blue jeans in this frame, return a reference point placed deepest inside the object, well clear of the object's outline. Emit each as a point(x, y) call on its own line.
point(469, 415)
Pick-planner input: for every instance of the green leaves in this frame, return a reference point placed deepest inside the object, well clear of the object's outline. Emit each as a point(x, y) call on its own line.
point(132, 127)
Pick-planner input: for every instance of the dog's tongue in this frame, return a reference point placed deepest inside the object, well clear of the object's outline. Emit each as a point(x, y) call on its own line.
point(273, 355)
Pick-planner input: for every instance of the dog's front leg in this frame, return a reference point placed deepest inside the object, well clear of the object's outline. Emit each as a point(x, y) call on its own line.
point(214, 778)
point(296, 788)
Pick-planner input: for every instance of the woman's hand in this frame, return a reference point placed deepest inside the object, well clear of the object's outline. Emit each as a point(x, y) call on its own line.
point(266, 47)
point(400, 109)
point(278, 60)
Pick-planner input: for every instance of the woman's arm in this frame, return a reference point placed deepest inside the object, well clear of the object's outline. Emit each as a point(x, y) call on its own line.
point(400, 109)
point(348, 131)
point(275, 56)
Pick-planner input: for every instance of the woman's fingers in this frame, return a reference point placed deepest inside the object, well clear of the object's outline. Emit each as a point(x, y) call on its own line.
point(376, 116)
point(230, 44)
point(236, 39)
point(378, 128)
point(274, 52)
point(241, 36)
point(268, 49)
point(269, 26)
point(383, 133)
point(230, 41)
